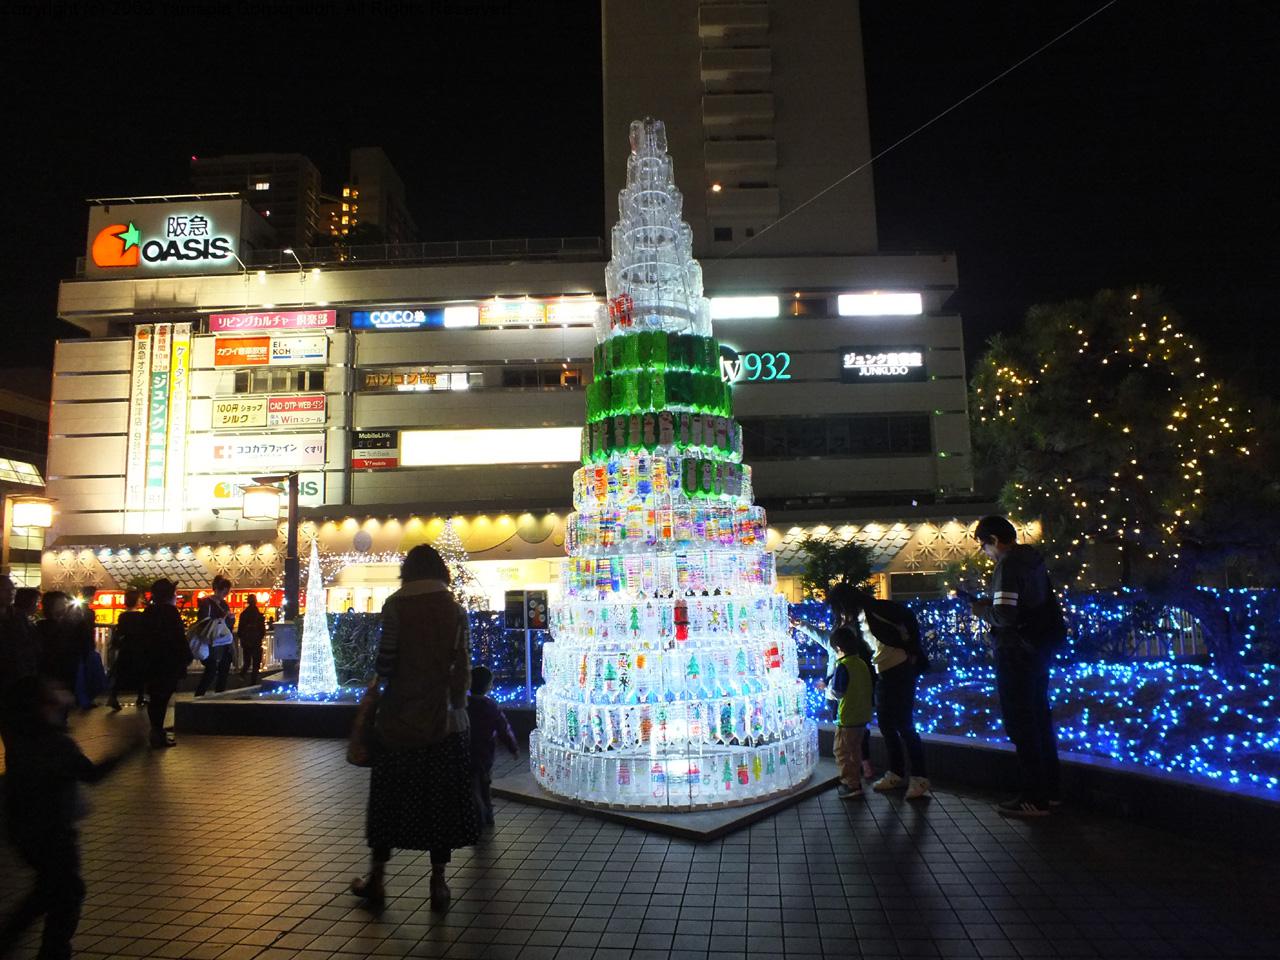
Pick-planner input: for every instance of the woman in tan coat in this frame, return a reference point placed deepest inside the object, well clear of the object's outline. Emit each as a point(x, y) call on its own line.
point(420, 787)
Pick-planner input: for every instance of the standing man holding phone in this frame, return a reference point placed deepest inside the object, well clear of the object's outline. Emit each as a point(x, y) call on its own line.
point(1026, 627)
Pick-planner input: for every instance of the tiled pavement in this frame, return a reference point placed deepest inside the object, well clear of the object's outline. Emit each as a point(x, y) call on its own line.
point(242, 848)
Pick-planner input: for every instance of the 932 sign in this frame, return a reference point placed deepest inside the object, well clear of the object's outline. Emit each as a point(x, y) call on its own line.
point(736, 367)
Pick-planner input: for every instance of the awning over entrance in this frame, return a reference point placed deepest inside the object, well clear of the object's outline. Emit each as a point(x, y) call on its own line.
point(249, 560)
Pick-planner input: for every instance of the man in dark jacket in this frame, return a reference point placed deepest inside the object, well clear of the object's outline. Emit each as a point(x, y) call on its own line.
point(251, 629)
point(1026, 622)
point(165, 655)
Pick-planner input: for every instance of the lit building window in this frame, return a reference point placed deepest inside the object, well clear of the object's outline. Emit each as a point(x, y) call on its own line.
point(262, 185)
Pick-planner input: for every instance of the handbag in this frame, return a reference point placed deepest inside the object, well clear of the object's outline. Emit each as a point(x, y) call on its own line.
point(204, 635)
point(362, 743)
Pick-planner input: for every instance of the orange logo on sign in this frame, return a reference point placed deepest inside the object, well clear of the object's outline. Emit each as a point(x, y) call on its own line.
point(242, 352)
point(116, 246)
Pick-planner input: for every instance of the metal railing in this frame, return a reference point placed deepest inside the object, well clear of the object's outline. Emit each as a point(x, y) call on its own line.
point(447, 251)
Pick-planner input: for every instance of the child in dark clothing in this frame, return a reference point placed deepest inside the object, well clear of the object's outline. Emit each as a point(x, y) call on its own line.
point(42, 804)
point(487, 722)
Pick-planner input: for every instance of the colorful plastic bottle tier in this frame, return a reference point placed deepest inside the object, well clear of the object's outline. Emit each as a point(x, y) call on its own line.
point(737, 573)
point(639, 478)
point(672, 680)
point(684, 778)
point(680, 673)
point(650, 623)
point(641, 527)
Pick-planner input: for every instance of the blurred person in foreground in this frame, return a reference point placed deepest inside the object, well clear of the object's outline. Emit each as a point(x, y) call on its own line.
point(42, 804)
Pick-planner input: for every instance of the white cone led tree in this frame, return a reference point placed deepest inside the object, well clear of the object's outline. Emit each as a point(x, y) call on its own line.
point(465, 587)
point(672, 681)
point(316, 672)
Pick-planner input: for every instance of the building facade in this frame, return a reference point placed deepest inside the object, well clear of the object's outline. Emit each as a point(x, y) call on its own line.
point(406, 393)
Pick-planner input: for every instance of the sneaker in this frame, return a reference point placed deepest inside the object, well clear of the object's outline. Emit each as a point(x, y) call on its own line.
point(917, 787)
point(1019, 807)
point(868, 771)
point(848, 793)
point(890, 781)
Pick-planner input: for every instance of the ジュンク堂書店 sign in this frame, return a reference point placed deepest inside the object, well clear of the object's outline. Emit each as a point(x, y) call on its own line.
point(882, 364)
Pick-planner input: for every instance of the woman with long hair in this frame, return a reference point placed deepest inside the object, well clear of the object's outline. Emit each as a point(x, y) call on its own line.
point(420, 791)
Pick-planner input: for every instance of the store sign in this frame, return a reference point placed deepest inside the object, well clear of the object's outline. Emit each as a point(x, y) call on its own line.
point(375, 449)
point(159, 236)
point(135, 477)
point(399, 380)
point(266, 451)
point(400, 318)
point(296, 411)
point(158, 416)
point(882, 364)
point(736, 367)
point(225, 491)
point(273, 351)
point(498, 312)
point(179, 396)
point(287, 320)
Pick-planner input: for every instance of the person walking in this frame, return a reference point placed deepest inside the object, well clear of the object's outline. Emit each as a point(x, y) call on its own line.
point(892, 632)
point(488, 723)
point(420, 789)
point(58, 653)
point(1026, 626)
point(165, 655)
point(43, 767)
point(251, 629)
point(221, 642)
point(19, 646)
point(126, 646)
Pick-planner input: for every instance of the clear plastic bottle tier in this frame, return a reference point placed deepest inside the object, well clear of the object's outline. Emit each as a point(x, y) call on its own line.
point(672, 680)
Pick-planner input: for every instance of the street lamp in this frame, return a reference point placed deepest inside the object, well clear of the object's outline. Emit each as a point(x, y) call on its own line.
point(261, 501)
point(245, 274)
point(23, 512)
point(302, 274)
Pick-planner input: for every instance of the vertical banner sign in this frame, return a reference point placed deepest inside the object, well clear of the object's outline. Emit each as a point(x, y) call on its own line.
point(135, 473)
point(158, 416)
point(175, 481)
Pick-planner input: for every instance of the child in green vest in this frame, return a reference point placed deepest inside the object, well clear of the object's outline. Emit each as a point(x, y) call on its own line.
point(852, 684)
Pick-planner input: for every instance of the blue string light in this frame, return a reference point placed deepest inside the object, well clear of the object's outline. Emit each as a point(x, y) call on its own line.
point(1188, 688)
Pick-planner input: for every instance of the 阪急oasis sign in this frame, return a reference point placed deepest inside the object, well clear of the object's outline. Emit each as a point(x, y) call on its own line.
point(154, 239)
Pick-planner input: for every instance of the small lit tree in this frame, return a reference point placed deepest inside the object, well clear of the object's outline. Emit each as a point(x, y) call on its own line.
point(466, 588)
point(316, 672)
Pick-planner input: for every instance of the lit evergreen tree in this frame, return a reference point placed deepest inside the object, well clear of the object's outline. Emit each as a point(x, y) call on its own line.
point(316, 672)
point(466, 588)
point(1102, 422)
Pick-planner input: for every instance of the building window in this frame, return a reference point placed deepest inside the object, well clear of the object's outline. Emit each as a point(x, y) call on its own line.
point(262, 185)
point(539, 377)
point(873, 435)
point(279, 381)
point(722, 234)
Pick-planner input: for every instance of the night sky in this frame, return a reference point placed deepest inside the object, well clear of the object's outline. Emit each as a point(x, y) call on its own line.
point(1140, 149)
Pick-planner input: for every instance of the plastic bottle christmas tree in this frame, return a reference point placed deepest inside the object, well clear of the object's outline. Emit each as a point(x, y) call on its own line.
point(671, 652)
point(316, 673)
point(466, 589)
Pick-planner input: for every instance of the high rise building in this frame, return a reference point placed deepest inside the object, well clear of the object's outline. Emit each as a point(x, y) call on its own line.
point(283, 187)
point(765, 105)
point(376, 196)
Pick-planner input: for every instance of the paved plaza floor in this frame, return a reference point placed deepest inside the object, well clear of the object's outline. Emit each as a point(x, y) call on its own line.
point(242, 848)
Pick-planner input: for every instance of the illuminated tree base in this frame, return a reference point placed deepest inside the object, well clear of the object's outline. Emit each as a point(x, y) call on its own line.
point(697, 778)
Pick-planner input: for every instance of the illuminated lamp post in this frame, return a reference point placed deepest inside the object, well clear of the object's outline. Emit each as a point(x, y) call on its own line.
point(302, 274)
point(23, 511)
